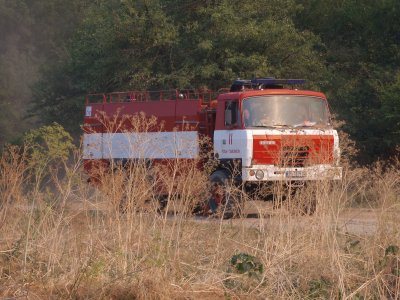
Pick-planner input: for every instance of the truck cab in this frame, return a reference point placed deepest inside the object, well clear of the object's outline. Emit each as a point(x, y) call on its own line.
point(271, 133)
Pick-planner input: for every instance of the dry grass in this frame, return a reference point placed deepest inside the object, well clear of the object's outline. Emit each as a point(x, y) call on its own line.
point(63, 238)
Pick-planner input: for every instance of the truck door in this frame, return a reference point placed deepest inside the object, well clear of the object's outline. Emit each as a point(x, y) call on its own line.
point(93, 128)
point(227, 139)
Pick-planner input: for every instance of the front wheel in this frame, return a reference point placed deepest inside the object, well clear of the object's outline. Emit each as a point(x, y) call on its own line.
point(224, 198)
point(302, 200)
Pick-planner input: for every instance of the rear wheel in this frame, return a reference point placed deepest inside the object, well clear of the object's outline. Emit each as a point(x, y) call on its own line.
point(135, 186)
point(225, 200)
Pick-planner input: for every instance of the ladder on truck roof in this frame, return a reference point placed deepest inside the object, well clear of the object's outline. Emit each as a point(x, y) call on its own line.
point(206, 96)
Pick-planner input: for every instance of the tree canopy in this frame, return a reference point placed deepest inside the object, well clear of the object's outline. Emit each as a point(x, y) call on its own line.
point(362, 50)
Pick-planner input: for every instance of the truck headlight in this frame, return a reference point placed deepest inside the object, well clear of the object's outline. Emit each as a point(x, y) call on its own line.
point(259, 174)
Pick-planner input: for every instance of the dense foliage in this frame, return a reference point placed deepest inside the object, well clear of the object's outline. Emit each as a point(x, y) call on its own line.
point(54, 52)
point(362, 52)
point(33, 35)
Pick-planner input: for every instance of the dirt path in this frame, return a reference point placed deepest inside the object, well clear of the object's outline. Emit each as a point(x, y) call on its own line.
point(259, 214)
point(357, 221)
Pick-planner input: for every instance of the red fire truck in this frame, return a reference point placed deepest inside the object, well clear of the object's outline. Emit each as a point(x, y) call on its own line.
point(263, 128)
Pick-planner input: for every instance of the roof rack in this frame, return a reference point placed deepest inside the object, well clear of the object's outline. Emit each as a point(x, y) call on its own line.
point(263, 83)
point(204, 95)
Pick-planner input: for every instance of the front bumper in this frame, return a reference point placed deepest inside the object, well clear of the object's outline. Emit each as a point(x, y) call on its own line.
point(261, 173)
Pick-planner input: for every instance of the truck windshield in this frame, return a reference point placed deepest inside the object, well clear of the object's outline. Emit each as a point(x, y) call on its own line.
point(285, 111)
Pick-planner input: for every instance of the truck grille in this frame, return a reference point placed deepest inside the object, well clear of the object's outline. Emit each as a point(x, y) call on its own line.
point(293, 150)
point(291, 156)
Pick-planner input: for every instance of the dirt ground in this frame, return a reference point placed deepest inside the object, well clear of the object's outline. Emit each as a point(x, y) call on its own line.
point(357, 221)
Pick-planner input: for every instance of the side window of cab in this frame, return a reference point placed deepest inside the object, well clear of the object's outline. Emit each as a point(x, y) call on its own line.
point(231, 118)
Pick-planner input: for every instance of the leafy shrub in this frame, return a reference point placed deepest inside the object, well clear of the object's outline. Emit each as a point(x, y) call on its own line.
point(49, 143)
point(245, 263)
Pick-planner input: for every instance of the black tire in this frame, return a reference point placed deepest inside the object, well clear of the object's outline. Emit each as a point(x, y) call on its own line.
point(303, 201)
point(153, 201)
point(224, 199)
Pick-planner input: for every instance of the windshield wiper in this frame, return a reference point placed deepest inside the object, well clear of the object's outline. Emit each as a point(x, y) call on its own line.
point(305, 124)
point(262, 126)
point(281, 125)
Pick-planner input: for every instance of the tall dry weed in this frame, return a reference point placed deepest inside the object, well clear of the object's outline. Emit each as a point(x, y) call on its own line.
point(13, 174)
point(116, 240)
